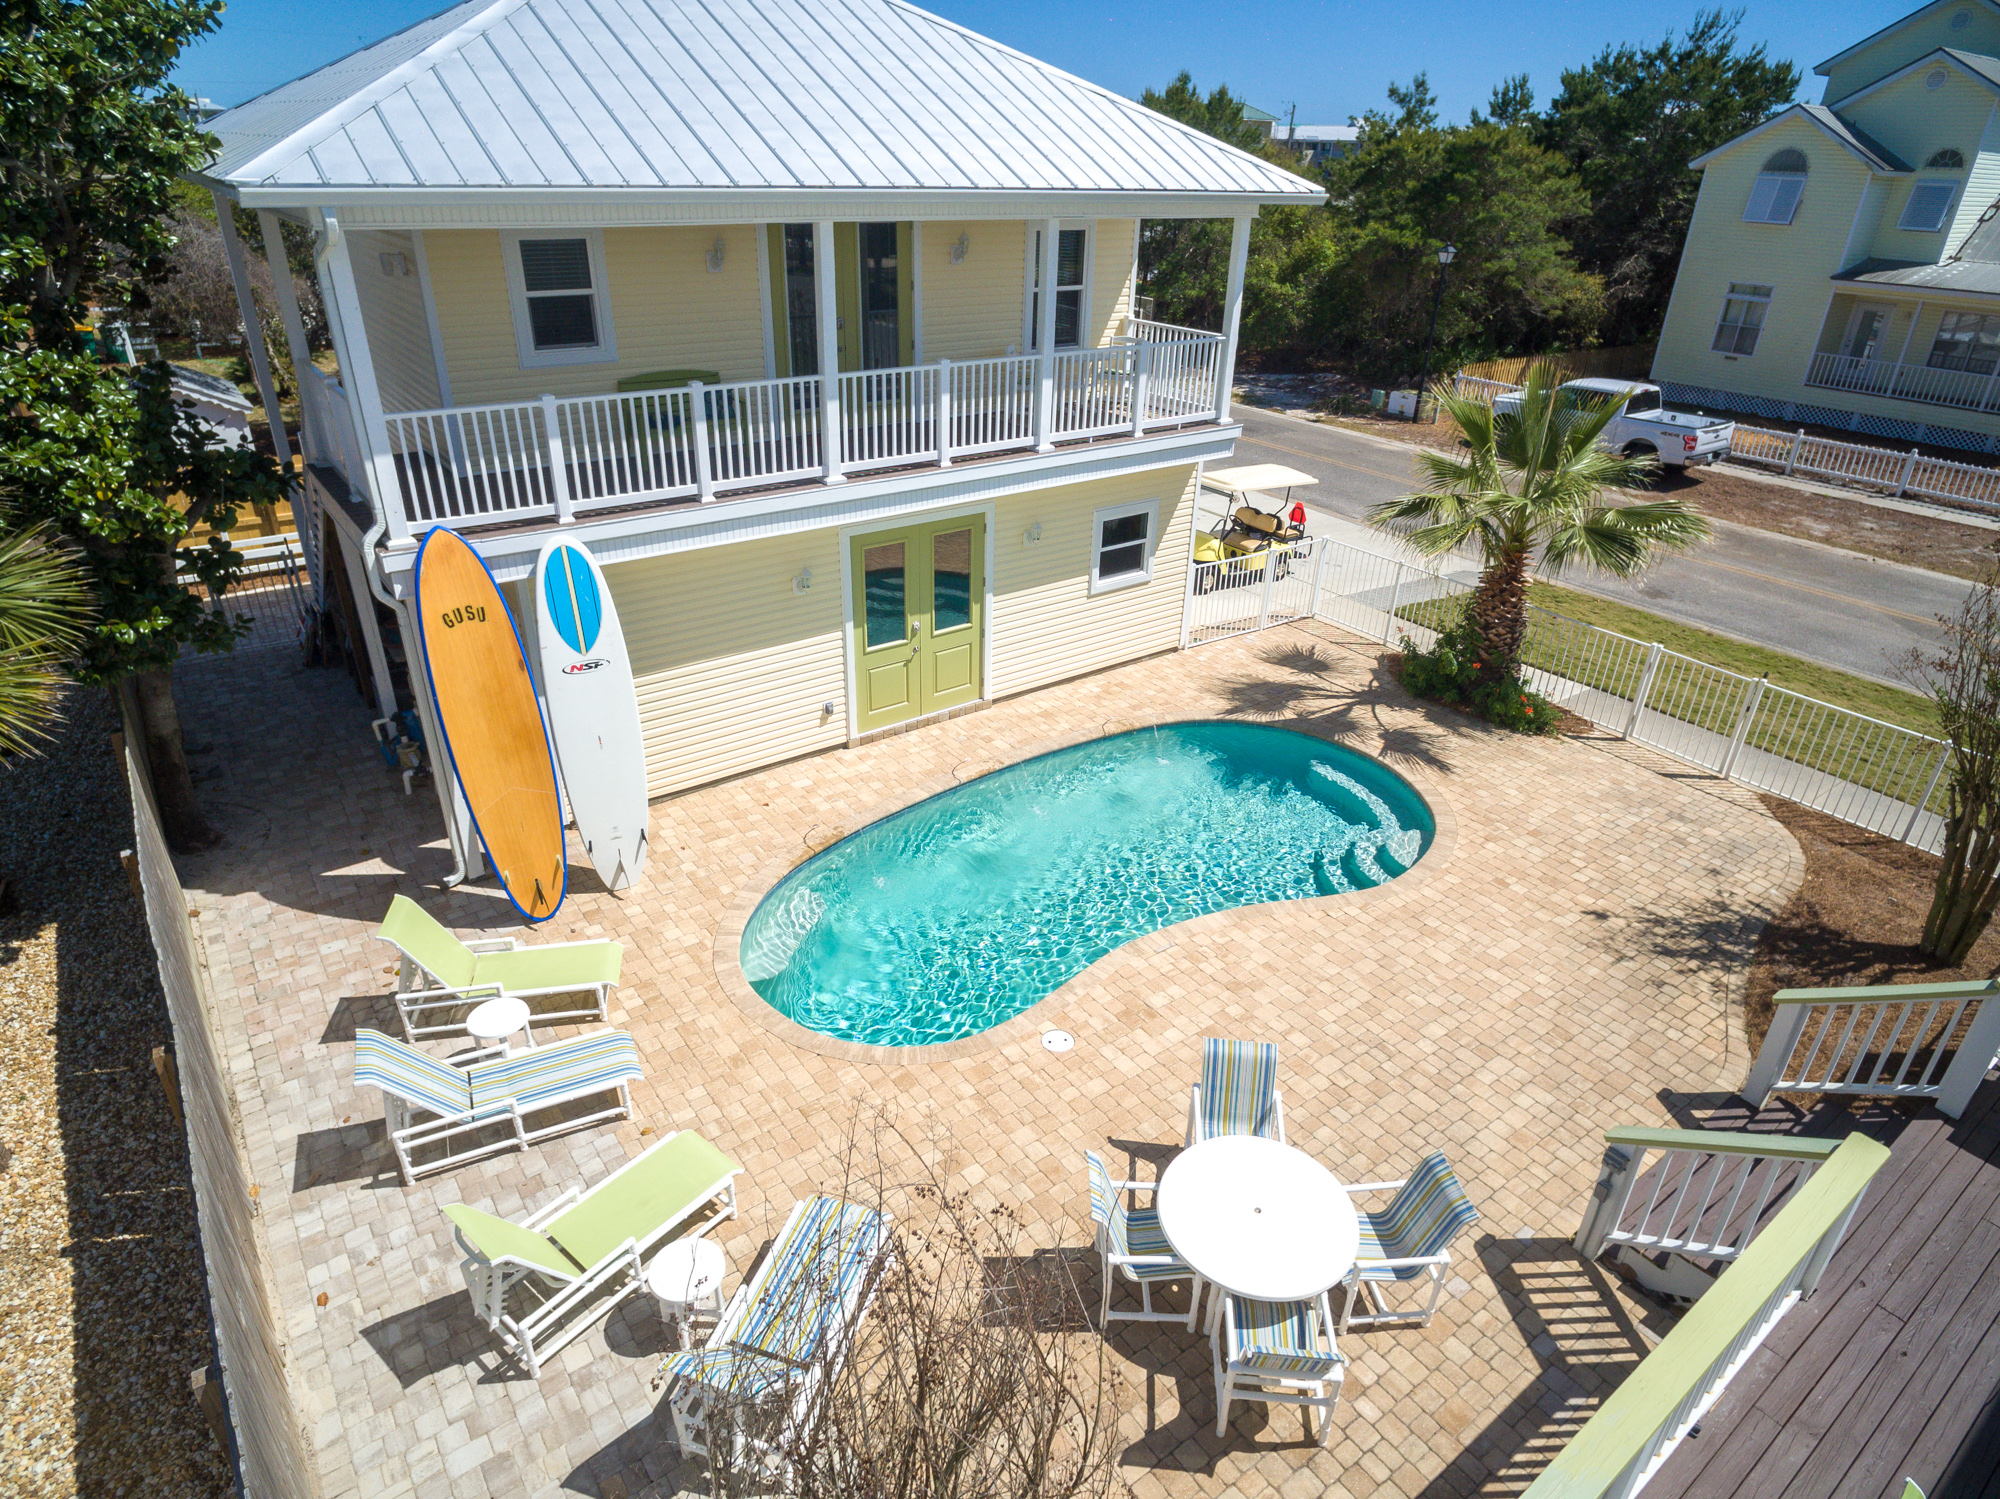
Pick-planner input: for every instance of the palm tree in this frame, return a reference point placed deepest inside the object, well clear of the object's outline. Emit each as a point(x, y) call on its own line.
point(45, 607)
point(1532, 480)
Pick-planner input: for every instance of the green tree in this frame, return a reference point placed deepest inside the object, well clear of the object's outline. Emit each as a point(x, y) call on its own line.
point(44, 613)
point(1629, 123)
point(1409, 186)
point(93, 139)
point(1530, 481)
point(1184, 263)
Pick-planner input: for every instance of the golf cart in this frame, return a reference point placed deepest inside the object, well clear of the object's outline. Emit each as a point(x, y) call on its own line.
point(1240, 540)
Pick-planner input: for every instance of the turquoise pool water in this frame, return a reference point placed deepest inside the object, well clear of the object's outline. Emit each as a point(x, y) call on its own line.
point(960, 912)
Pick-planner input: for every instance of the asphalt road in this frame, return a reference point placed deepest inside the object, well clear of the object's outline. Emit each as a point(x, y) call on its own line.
point(1858, 613)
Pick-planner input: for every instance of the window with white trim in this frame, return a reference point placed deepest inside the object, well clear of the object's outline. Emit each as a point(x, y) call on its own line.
point(1774, 197)
point(1742, 318)
point(1968, 341)
point(1928, 206)
point(1072, 277)
point(561, 313)
point(1122, 542)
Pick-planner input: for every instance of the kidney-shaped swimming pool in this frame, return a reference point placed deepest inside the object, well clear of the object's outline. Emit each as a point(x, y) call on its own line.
point(960, 912)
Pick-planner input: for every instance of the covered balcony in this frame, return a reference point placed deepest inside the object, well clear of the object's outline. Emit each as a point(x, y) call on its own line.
point(1929, 352)
point(557, 458)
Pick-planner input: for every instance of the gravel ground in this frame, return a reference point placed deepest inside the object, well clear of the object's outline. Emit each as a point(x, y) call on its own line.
point(103, 1303)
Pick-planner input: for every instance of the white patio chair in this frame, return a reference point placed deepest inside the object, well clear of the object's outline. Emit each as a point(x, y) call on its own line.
point(1271, 1351)
point(1407, 1241)
point(1238, 1092)
point(1131, 1243)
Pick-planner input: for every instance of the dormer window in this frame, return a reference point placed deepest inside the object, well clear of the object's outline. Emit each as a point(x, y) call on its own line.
point(1775, 197)
point(1928, 207)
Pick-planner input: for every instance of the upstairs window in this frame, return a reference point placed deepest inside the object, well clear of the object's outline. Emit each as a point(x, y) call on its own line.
point(1071, 259)
point(1928, 207)
point(1742, 318)
point(1947, 160)
point(1968, 341)
point(560, 312)
point(1774, 198)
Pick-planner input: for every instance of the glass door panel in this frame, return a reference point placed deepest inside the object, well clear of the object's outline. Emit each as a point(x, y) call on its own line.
point(951, 653)
point(801, 301)
point(881, 323)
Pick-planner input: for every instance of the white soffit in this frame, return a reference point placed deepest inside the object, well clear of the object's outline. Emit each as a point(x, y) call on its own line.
point(500, 97)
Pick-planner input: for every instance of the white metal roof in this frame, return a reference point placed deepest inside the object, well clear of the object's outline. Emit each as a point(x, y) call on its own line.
point(525, 96)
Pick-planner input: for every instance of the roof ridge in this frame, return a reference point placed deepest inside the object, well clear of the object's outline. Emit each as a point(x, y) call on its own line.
point(365, 98)
point(1133, 105)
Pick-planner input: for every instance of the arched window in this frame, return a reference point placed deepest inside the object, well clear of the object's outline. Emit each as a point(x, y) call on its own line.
point(1950, 159)
point(1774, 199)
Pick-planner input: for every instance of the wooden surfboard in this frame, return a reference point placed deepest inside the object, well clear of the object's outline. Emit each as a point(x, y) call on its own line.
point(490, 721)
point(593, 710)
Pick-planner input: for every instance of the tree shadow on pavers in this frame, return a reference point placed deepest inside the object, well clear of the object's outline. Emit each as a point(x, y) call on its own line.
point(1314, 695)
point(440, 1335)
point(640, 1463)
point(1713, 933)
point(351, 1012)
point(357, 1151)
point(636, 1330)
point(1577, 1328)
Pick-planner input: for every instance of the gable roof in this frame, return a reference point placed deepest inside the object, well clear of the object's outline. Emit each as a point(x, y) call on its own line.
point(1873, 154)
point(1873, 37)
point(526, 96)
point(1978, 66)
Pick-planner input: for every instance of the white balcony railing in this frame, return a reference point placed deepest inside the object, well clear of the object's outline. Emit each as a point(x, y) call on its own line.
point(525, 460)
point(1966, 390)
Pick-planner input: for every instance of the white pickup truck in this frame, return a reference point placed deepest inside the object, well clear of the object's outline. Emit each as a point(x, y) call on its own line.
point(1643, 428)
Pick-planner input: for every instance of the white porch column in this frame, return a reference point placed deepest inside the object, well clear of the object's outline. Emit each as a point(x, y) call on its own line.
point(357, 378)
point(1232, 312)
point(295, 325)
point(253, 329)
point(1045, 335)
point(825, 292)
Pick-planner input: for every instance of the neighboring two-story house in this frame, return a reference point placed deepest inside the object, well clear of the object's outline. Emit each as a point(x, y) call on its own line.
point(811, 318)
point(1843, 263)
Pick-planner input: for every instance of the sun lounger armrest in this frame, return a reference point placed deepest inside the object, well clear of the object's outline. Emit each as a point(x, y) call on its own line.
point(494, 944)
point(474, 1055)
point(1415, 1262)
point(1376, 1186)
point(433, 998)
point(562, 1200)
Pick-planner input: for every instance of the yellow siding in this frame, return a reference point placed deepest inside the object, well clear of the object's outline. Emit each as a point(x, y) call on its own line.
point(1046, 626)
point(1916, 123)
point(1111, 279)
point(668, 311)
point(1919, 37)
point(973, 310)
point(1793, 259)
point(392, 314)
point(732, 666)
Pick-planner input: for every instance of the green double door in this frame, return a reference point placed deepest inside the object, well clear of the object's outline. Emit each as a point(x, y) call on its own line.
point(919, 619)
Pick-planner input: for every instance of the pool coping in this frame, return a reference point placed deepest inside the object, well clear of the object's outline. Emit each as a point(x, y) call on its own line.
point(1045, 1013)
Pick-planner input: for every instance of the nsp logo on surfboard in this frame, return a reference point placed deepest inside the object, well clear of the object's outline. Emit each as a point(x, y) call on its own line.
point(582, 666)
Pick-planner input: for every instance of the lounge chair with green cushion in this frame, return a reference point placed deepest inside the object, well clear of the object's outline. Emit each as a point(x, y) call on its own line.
point(441, 975)
point(567, 1264)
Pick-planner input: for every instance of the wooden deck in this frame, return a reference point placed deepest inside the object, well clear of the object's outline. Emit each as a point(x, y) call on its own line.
point(1892, 1369)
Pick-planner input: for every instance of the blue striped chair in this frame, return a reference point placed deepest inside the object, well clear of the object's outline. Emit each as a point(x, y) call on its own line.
point(1407, 1241)
point(784, 1333)
point(1238, 1092)
point(481, 1091)
point(1131, 1243)
point(1271, 1351)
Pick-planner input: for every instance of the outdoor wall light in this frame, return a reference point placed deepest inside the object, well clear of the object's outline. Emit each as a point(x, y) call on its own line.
point(715, 254)
point(959, 247)
point(803, 581)
point(1032, 535)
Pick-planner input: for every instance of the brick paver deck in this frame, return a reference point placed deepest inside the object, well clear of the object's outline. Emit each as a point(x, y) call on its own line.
point(1565, 959)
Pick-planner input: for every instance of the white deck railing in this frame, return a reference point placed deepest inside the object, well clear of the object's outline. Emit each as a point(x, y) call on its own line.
point(1932, 1041)
point(560, 457)
point(1640, 1424)
point(1968, 390)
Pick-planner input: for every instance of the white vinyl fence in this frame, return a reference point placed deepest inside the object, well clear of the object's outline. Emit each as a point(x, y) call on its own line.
point(274, 591)
point(1893, 471)
point(1879, 776)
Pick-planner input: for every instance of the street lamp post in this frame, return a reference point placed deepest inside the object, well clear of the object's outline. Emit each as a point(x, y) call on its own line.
point(1446, 255)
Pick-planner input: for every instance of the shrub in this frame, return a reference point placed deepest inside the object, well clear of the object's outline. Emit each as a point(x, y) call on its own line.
point(1449, 672)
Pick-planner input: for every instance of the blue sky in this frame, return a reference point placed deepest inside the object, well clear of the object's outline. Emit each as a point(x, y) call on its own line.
point(1330, 59)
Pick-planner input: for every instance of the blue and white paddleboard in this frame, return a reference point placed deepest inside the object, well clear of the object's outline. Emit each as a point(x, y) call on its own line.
point(593, 710)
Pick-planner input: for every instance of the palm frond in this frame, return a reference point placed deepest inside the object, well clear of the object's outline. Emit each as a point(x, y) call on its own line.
point(45, 610)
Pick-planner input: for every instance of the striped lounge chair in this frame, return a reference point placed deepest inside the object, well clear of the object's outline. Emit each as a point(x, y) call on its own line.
point(784, 1333)
point(1131, 1243)
point(578, 1257)
point(441, 978)
point(1271, 1351)
point(1407, 1241)
point(482, 1091)
point(1238, 1092)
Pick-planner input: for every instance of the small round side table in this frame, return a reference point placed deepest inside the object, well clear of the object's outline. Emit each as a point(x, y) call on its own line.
point(498, 1019)
point(685, 1278)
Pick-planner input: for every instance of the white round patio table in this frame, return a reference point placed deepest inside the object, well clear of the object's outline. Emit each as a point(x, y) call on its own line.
point(499, 1019)
point(1258, 1218)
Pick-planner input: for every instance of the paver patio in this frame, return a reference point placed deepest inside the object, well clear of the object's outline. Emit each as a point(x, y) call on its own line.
point(1565, 959)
